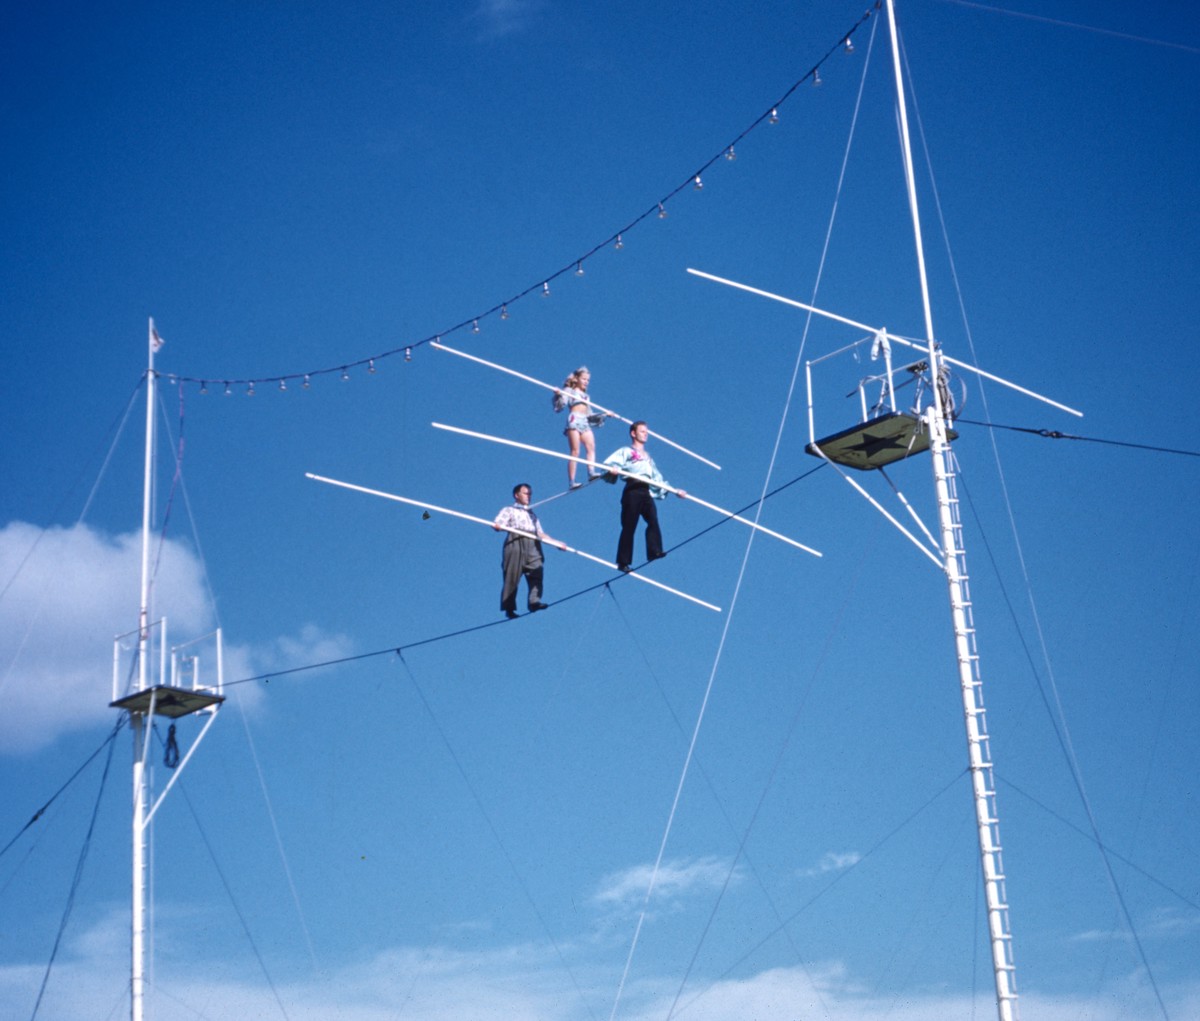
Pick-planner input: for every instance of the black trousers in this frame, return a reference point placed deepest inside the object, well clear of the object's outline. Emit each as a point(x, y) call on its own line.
point(637, 503)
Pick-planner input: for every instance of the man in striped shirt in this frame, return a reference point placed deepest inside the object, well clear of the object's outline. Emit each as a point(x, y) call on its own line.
point(522, 553)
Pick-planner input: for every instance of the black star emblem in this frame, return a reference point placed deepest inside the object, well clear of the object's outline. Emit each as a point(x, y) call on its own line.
point(872, 445)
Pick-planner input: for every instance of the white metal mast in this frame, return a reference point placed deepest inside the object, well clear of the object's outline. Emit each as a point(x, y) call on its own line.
point(152, 697)
point(137, 720)
point(954, 563)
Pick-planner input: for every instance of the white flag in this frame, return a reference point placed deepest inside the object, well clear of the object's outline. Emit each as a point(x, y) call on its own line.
point(155, 340)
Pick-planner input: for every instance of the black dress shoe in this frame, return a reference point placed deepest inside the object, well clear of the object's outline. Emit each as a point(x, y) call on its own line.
point(656, 556)
point(539, 606)
point(511, 614)
point(624, 567)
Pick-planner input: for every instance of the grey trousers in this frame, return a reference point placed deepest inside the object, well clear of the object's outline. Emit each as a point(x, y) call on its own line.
point(521, 556)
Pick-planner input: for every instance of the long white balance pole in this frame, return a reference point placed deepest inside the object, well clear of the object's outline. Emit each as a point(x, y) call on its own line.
point(439, 346)
point(890, 336)
point(515, 531)
point(617, 471)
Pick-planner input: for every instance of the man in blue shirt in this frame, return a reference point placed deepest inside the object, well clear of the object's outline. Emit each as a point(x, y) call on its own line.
point(637, 500)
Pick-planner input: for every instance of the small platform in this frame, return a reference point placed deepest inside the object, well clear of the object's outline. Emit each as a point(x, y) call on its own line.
point(168, 701)
point(881, 441)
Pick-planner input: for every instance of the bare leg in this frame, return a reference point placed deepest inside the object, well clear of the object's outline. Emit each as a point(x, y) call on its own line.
point(573, 447)
point(589, 445)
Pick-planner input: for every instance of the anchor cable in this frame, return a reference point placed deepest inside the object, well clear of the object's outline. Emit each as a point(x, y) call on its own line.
point(70, 780)
point(78, 877)
point(1055, 434)
point(494, 832)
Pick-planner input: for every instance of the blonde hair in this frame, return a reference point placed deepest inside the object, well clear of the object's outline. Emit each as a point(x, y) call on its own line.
point(573, 379)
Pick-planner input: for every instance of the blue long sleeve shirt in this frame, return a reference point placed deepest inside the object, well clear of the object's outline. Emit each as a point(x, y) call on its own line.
point(640, 464)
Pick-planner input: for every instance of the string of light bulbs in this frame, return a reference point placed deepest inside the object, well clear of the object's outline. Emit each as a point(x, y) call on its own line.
point(616, 240)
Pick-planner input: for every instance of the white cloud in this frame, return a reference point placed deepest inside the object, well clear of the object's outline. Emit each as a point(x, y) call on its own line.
point(1166, 923)
point(519, 982)
point(495, 19)
point(676, 880)
point(311, 645)
point(832, 861)
point(68, 592)
point(64, 603)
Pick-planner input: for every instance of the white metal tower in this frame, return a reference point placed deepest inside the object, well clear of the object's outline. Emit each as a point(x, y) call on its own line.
point(885, 435)
point(151, 695)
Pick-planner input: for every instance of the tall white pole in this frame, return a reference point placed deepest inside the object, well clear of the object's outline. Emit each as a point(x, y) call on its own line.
point(137, 972)
point(137, 978)
point(954, 564)
point(144, 612)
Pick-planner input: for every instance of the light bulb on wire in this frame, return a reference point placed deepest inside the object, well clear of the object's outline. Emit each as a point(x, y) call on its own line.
point(697, 183)
point(579, 269)
point(662, 211)
point(503, 311)
point(774, 118)
point(345, 375)
point(619, 243)
point(730, 154)
point(546, 289)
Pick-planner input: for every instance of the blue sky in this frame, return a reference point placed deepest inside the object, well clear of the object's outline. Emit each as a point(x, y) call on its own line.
point(468, 829)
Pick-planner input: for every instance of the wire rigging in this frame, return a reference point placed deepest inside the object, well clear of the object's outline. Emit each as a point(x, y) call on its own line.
point(1087, 836)
point(1058, 722)
point(494, 832)
point(287, 867)
point(78, 876)
point(115, 429)
point(866, 552)
point(583, 642)
point(179, 483)
point(262, 964)
point(1074, 24)
point(176, 480)
point(70, 780)
point(923, 903)
point(869, 853)
point(719, 802)
point(799, 360)
point(1055, 434)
